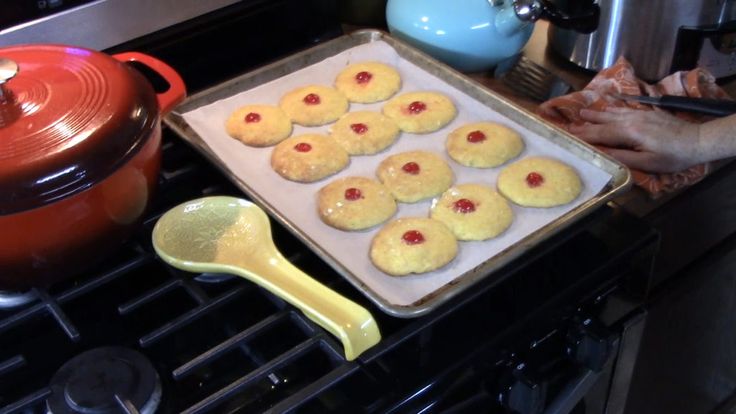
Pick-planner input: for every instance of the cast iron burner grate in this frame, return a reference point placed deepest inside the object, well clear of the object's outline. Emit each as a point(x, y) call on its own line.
point(103, 380)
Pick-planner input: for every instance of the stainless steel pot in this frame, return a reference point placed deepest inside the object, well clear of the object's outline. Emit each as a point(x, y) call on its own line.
point(658, 37)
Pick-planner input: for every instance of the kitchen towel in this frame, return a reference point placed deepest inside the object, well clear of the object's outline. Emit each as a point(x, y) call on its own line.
point(621, 79)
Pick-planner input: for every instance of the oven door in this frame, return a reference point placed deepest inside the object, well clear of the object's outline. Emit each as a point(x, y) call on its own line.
point(606, 390)
point(580, 364)
point(586, 370)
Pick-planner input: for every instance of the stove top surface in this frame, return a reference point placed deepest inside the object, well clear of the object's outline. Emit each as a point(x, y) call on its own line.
point(218, 341)
point(146, 337)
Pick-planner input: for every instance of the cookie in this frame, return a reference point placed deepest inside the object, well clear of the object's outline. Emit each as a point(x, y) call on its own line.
point(314, 105)
point(420, 112)
point(415, 175)
point(355, 203)
point(308, 158)
point(483, 144)
point(368, 82)
point(259, 125)
point(412, 245)
point(473, 212)
point(364, 132)
point(539, 182)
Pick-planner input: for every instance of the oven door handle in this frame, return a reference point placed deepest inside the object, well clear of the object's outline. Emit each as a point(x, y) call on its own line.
point(572, 393)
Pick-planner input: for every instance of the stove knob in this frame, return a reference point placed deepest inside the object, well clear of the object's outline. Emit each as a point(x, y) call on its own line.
point(522, 394)
point(589, 343)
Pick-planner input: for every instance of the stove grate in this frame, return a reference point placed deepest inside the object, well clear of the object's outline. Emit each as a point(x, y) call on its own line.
point(212, 343)
point(45, 302)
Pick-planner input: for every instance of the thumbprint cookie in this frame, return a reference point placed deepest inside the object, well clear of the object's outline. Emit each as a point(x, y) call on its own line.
point(539, 182)
point(420, 112)
point(364, 132)
point(412, 245)
point(368, 82)
point(483, 144)
point(314, 105)
point(308, 158)
point(473, 212)
point(355, 203)
point(259, 125)
point(415, 175)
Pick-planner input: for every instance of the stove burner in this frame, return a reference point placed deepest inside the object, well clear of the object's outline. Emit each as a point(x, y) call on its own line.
point(105, 380)
point(12, 299)
point(214, 277)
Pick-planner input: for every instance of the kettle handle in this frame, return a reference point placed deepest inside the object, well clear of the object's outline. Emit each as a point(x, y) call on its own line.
point(585, 21)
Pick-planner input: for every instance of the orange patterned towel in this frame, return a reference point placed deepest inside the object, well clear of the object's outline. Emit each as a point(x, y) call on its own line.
point(620, 79)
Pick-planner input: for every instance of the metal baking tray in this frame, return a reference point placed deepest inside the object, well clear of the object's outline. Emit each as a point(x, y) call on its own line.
point(619, 181)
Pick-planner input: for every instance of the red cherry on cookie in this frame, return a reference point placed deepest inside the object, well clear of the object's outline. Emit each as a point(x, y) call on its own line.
point(312, 99)
point(464, 205)
point(534, 179)
point(411, 168)
point(363, 77)
point(413, 237)
point(303, 147)
point(417, 107)
point(353, 194)
point(252, 117)
point(359, 128)
point(476, 136)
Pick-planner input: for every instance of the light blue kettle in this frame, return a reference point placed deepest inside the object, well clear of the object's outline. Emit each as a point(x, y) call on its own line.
point(475, 35)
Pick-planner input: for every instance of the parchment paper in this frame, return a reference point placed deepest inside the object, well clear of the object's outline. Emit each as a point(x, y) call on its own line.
point(297, 202)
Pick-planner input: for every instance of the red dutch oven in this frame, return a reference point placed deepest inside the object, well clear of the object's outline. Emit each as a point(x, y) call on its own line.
point(80, 152)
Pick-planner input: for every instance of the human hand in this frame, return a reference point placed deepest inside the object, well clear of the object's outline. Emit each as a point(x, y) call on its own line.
point(653, 141)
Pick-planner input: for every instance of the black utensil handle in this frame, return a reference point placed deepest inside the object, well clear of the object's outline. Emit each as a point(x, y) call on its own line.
point(714, 107)
point(584, 19)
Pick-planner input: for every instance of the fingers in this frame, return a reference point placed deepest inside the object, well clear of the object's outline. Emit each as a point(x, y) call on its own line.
point(611, 114)
point(597, 117)
point(635, 137)
point(602, 134)
point(614, 127)
point(605, 129)
point(633, 159)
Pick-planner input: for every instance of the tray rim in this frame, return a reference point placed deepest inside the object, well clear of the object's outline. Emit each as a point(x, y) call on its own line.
point(621, 180)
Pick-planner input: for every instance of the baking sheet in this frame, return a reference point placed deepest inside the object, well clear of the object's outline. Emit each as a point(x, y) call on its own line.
point(295, 203)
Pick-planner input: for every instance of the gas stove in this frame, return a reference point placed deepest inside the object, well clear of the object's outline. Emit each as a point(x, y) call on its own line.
point(199, 342)
point(136, 335)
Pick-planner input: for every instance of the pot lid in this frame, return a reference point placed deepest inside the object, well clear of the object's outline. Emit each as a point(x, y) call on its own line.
point(69, 117)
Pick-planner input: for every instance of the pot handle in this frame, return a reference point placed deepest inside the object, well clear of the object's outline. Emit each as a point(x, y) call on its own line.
point(176, 93)
point(585, 19)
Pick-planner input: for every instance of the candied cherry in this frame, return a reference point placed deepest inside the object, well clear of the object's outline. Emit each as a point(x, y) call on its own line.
point(464, 205)
point(417, 107)
point(359, 128)
point(312, 99)
point(252, 117)
point(413, 237)
point(411, 168)
point(303, 147)
point(534, 179)
point(363, 77)
point(353, 194)
point(476, 136)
